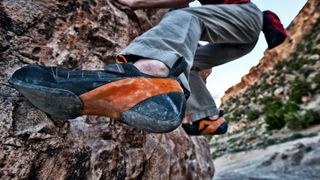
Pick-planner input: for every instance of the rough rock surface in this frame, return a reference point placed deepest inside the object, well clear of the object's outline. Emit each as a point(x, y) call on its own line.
point(304, 21)
point(81, 35)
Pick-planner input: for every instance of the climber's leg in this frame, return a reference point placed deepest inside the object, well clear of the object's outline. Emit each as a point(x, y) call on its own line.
point(175, 36)
point(152, 67)
point(201, 108)
point(229, 23)
point(232, 31)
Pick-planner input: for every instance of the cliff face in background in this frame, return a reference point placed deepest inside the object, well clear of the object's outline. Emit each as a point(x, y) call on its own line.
point(300, 26)
point(274, 115)
point(84, 34)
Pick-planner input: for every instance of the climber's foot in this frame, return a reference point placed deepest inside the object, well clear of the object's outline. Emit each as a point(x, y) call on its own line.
point(212, 125)
point(152, 67)
point(121, 91)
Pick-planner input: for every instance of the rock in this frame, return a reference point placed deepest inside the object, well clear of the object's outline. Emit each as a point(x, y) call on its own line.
point(278, 91)
point(305, 99)
point(81, 35)
point(315, 104)
point(289, 78)
point(314, 57)
point(292, 160)
point(317, 65)
point(270, 80)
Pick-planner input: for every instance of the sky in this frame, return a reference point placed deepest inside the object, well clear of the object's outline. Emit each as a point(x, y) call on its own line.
point(229, 74)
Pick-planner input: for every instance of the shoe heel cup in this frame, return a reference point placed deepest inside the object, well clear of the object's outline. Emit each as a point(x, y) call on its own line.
point(223, 128)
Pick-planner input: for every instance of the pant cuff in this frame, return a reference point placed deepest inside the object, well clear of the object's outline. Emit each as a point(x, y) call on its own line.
point(166, 57)
point(141, 50)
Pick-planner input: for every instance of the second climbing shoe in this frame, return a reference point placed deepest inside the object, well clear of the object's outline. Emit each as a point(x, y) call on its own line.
point(207, 126)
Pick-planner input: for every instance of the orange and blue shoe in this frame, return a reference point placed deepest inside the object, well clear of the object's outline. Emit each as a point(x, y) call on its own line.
point(207, 126)
point(120, 91)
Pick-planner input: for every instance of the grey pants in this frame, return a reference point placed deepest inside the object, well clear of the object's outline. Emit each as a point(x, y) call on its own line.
point(231, 30)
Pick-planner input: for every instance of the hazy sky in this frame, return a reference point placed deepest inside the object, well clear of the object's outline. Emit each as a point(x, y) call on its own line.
point(229, 74)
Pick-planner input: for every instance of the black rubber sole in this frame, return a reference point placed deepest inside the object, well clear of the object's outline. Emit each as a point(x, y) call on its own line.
point(159, 114)
point(59, 103)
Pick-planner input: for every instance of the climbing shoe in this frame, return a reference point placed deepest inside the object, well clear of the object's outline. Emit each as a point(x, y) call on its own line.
point(120, 91)
point(207, 126)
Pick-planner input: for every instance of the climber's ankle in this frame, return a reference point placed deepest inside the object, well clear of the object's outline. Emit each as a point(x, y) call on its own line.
point(152, 67)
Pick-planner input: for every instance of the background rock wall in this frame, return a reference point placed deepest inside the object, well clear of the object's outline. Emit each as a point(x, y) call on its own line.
point(82, 34)
point(281, 107)
point(274, 113)
point(303, 22)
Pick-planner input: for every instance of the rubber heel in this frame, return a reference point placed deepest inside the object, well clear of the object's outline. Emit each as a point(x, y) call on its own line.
point(59, 103)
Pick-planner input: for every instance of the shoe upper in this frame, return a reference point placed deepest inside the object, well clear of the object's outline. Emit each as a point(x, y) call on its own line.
point(76, 81)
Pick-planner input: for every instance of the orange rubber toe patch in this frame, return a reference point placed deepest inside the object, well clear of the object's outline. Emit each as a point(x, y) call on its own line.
point(116, 97)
